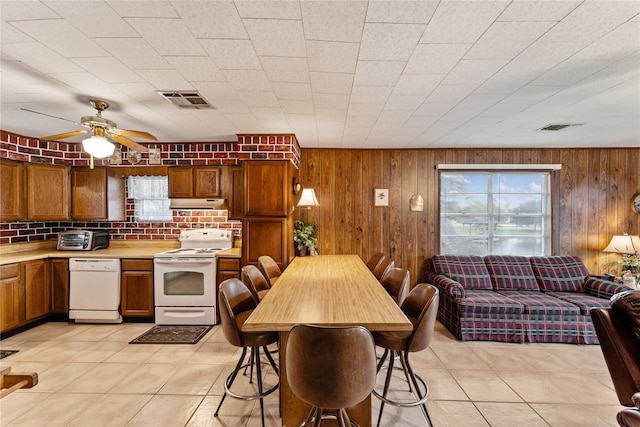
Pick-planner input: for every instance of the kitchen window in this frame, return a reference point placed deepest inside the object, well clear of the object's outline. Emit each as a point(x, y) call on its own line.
point(500, 213)
point(150, 196)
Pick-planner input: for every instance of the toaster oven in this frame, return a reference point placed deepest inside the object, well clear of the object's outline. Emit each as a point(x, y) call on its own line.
point(83, 240)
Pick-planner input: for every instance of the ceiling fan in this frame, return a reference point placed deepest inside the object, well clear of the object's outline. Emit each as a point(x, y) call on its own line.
point(98, 145)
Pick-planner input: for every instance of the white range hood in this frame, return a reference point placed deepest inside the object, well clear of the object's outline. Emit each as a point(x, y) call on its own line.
point(198, 204)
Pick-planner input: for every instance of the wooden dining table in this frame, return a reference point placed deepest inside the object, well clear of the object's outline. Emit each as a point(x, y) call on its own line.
point(328, 290)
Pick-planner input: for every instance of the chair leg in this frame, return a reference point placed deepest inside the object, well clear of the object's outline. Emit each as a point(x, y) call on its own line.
point(232, 378)
point(382, 359)
point(406, 372)
point(259, 374)
point(271, 361)
point(387, 381)
point(412, 375)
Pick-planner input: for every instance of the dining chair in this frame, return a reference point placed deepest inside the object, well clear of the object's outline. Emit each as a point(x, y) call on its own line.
point(383, 267)
point(396, 282)
point(269, 268)
point(236, 304)
point(330, 368)
point(255, 281)
point(374, 260)
point(421, 308)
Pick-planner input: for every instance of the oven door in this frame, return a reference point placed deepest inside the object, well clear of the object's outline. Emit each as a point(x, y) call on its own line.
point(184, 290)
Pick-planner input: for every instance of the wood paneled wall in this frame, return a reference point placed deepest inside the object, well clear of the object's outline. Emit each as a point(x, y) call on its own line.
point(591, 199)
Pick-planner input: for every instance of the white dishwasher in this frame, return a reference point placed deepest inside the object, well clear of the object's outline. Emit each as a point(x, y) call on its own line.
point(94, 290)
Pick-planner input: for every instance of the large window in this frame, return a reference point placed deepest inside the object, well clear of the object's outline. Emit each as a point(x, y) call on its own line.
point(151, 197)
point(500, 213)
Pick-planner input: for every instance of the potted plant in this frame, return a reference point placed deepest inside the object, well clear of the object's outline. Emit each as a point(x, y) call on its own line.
point(305, 236)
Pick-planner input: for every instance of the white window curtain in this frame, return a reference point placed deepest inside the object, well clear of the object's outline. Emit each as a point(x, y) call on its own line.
point(151, 197)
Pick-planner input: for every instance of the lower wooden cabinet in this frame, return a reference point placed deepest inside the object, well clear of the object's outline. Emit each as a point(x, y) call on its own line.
point(37, 287)
point(137, 287)
point(60, 286)
point(11, 296)
point(227, 268)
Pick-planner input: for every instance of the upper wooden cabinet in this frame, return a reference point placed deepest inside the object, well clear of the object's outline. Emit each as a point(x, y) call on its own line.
point(12, 194)
point(235, 198)
point(200, 182)
point(266, 188)
point(96, 196)
point(47, 192)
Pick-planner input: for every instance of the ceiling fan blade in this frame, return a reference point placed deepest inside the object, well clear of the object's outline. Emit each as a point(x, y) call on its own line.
point(128, 143)
point(64, 135)
point(49, 115)
point(133, 133)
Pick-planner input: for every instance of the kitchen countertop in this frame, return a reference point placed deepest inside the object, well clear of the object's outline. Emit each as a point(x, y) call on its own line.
point(117, 249)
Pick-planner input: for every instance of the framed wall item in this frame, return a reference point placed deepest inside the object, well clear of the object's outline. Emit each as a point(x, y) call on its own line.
point(116, 157)
point(381, 197)
point(635, 203)
point(154, 156)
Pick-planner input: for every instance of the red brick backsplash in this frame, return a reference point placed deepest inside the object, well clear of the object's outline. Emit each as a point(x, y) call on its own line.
point(248, 147)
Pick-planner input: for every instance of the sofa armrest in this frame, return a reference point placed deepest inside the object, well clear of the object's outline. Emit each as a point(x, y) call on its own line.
point(447, 286)
point(602, 288)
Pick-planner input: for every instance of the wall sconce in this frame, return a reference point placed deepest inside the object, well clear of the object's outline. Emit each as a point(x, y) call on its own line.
point(416, 203)
point(308, 199)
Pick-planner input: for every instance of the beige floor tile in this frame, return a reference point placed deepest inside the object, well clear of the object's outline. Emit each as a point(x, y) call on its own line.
point(57, 410)
point(455, 414)
point(146, 379)
point(166, 410)
point(175, 353)
point(460, 358)
point(583, 415)
point(128, 331)
point(192, 379)
point(58, 376)
point(484, 386)
point(102, 378)
point(17, 403)
point(111, 410)
point(134, 353)
point(510, 414)
point(442, 385)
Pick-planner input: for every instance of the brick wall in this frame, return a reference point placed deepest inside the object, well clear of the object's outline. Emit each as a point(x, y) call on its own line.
point(249, 146)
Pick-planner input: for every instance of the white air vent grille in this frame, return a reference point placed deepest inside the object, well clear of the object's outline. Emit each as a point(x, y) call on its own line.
point(190, 100)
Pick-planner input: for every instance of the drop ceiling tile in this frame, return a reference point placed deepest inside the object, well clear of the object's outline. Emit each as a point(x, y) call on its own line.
point(287, 70)
point(459, 115)
point(378, 73)
point(211, 19)
point(504, 40)
point(39, 57)
point(331, 101)
point(461, 21)
point(538, 10)
point(542, 56)
point(259, 99)
point(232, 54)
point(165, 79)
point(404, 102)
point(417, 84)
point(212, 91)
point(389, 42)
point(474, 71)
point(333, 57)
point(141, 92)
point(292, 91)
point(109, 70)
point(622, 42)
point(365, 110)
point(434, 109)
point(339, 83)
point(269, 9)
point(479, 101)
point(407, 12)
point(86, 83)
point(16, 11)
point(333, 20)
point(10, 35)
point(95, 19)
point(436, 58)
point(331, 114)
point(167, 36)
point(146, 9)
point(297, 107)
point(370, 94)
point(274, 37)
point(247, 80)
point(196, 68)
point(570, 72)
point(268, 113)
point(61, 37)
point(133, 52)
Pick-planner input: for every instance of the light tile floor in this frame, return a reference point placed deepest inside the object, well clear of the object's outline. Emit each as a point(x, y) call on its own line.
point(90, 376)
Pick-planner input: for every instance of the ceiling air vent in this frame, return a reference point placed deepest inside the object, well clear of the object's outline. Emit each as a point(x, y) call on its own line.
point(559, 126)
point(190, 100)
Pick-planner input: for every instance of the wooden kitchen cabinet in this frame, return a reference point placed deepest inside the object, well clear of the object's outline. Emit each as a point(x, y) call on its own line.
point(12, 194)
point(95, 195)
point(235, 198)
point(200, 182)
point(11, 296)
point(137, 287)
point(48, 189)
point(266, 185)
point(266, 236)
point(227, 268)
point(37, 287)
point(60, 286)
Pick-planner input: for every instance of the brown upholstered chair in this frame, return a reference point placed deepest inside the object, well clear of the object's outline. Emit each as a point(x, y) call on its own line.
point(330, 368)
point(396, 282)
point(269, 268)
point(236, 304)
point(383, 267)
point(618, 330)
point(255, 281)
point(421, 308)
point(375, 260)
point(630, 417)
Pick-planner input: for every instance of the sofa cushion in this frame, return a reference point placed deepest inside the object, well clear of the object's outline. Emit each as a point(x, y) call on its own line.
point(484, 301)
point(510, 272)
point(628, 302)
point(470, 271)
point(559, 273)
point(582, 300)
point(539, 303)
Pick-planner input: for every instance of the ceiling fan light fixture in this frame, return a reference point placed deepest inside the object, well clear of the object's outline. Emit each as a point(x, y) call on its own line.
point(98, 147)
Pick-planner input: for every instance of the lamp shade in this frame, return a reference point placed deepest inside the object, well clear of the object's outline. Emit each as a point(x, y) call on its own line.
point(98, 147)
point(624, 244)
point(308, 198)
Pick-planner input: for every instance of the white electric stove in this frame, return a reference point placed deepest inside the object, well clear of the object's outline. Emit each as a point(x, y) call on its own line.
point(185, 278)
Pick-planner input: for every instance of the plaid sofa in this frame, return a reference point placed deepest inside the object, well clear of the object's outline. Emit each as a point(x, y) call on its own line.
point(518, 299)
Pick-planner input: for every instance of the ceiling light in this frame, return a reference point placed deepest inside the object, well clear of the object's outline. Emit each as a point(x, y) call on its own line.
point(98, 147)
